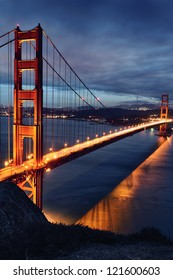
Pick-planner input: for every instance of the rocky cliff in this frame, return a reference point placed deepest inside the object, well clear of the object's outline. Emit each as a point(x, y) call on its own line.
point(18, 217)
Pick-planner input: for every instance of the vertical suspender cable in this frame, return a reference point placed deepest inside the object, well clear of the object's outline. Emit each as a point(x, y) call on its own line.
point(75, 109)
point(59, 133)
point(8, 100)
point(79, 116)
point(10, 96)
point(0, 114)
point(53, 88)
point(97, 113)
point(46, 125)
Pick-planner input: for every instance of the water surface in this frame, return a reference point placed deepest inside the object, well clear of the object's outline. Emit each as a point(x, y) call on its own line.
point(78, 191)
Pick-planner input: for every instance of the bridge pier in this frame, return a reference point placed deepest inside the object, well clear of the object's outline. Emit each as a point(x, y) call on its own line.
point(31, 183)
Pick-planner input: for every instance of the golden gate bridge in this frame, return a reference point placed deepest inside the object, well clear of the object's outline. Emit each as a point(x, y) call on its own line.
point(40, 87)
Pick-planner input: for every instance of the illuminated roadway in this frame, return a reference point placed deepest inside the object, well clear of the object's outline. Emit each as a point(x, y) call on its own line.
point(51, 159)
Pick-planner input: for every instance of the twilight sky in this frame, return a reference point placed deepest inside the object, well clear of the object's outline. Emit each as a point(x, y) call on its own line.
point(121, 49)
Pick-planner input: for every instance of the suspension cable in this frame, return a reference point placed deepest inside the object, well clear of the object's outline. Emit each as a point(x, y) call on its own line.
point(110, 112)
point(69, 85)
point(7, 33)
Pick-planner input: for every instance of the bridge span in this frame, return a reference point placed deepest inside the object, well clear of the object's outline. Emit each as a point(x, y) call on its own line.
point(56, 158)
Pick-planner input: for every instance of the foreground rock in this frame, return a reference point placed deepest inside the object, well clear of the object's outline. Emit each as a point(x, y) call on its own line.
point(18, 215)
point(26, 234)
point(138, 251)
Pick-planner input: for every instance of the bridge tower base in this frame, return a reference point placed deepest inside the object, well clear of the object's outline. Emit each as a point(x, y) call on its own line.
point(31, 184)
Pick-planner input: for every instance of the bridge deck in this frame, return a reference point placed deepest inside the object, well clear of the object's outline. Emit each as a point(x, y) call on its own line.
point(53, 159)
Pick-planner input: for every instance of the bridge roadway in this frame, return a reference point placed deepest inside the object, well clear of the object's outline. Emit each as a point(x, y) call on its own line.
point(53, 159)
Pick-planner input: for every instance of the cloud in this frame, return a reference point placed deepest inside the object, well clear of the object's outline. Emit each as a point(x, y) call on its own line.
point(114, 45)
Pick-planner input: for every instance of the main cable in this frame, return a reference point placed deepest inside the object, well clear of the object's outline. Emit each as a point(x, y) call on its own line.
point(110, 112)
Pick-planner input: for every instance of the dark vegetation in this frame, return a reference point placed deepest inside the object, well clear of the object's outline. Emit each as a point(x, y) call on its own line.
point(58, 241)
point(26, 234)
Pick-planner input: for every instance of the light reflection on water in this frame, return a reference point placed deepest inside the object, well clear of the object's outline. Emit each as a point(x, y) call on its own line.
point(77, 192)
point(144, 198)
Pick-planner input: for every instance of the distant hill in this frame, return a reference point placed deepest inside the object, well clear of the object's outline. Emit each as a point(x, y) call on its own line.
point(138, 106)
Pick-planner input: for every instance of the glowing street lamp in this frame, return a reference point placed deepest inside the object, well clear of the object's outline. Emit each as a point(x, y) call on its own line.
point(6, 163)
point(48, 169)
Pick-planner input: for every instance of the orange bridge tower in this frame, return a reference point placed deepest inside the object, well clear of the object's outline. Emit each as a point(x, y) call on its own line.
point(164, 113)
point(164, 107)
point(21, 130)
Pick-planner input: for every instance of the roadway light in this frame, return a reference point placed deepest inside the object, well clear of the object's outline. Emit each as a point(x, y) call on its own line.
point(47, 169)
point(88, 138)
point(78, 141)
point(65, 145)
point(30, 156)
point(50, 149)
point(6, 163)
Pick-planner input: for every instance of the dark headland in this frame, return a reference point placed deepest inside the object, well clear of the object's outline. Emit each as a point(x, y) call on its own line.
point(25, 233)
